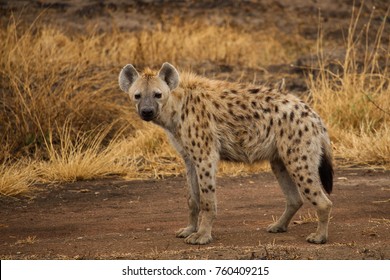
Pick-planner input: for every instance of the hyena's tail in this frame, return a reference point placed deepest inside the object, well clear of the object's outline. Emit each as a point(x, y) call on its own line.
point(325, 168)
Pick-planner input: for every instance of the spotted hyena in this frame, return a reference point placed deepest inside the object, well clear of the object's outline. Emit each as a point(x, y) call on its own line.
point(208, 120)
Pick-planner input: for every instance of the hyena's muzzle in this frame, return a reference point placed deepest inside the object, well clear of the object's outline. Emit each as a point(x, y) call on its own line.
point(148, 109)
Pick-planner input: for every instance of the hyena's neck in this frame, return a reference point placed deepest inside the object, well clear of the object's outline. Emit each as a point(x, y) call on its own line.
point(170, 113)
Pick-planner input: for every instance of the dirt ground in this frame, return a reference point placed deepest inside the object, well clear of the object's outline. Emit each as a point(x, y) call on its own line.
point(117, 219)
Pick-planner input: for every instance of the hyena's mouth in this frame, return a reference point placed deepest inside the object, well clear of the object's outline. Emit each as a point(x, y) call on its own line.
point(147, 118)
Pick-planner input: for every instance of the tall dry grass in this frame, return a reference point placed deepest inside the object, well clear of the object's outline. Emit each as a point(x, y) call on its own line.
point(355, 101)
point(59, 93)
point(63, 114)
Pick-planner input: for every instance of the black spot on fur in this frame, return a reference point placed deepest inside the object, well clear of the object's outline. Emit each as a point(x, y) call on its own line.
point(268, 130)
point(254, 90)
point(267, 110)
point(216, 105)
point(307, 190)
point(291, 116)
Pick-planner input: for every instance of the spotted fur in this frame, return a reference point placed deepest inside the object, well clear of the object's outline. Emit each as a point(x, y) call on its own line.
point(208, 120)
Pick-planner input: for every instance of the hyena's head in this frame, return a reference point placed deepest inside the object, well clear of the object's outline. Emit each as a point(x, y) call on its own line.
point(149, 91)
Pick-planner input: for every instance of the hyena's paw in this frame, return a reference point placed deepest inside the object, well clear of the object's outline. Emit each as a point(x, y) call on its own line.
point(185, 232)
point(275, 228)
point(317, 238)
point(197, 238)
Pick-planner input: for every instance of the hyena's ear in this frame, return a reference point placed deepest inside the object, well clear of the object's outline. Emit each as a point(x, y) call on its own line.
point(127, 77)
point(169, 74)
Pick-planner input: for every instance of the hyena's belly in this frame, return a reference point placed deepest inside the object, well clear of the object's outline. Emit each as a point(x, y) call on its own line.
point(247, 151)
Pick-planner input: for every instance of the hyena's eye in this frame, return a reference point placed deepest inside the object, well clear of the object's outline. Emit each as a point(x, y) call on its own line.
point(157, 95)
point(137, 96)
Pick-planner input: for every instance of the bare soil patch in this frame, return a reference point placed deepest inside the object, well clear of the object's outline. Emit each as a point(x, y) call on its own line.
point(118, 219)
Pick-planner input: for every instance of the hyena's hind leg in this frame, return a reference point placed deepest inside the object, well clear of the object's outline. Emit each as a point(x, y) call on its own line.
point(312, 185)
point(293, 198)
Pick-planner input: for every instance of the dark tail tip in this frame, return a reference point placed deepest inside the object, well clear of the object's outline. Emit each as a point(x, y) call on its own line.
point(326, 172)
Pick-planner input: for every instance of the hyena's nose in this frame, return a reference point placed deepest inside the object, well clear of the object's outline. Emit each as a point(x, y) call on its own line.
point(147, 114)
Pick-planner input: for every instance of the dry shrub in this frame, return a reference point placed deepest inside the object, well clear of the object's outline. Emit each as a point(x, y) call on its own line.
point(356, 100)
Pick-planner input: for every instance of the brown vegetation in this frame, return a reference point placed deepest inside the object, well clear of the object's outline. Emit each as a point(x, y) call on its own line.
point(63, 117)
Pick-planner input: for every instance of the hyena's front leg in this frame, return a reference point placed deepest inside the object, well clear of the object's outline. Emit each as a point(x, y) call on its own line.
point(193, 201)
point(206, 170)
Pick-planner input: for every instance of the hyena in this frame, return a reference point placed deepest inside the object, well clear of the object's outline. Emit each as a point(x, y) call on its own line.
point(209, 120)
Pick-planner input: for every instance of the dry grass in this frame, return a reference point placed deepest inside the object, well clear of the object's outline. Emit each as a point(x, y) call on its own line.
point(309, 217)
point(16, 178)
point(200, 42)
point(63, 111)
point(80, 157)
point(63, 114)
point(27, 241)
point(48, 80)
point(356, 100)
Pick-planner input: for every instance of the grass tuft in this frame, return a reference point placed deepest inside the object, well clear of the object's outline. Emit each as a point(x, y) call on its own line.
point(16, 178)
